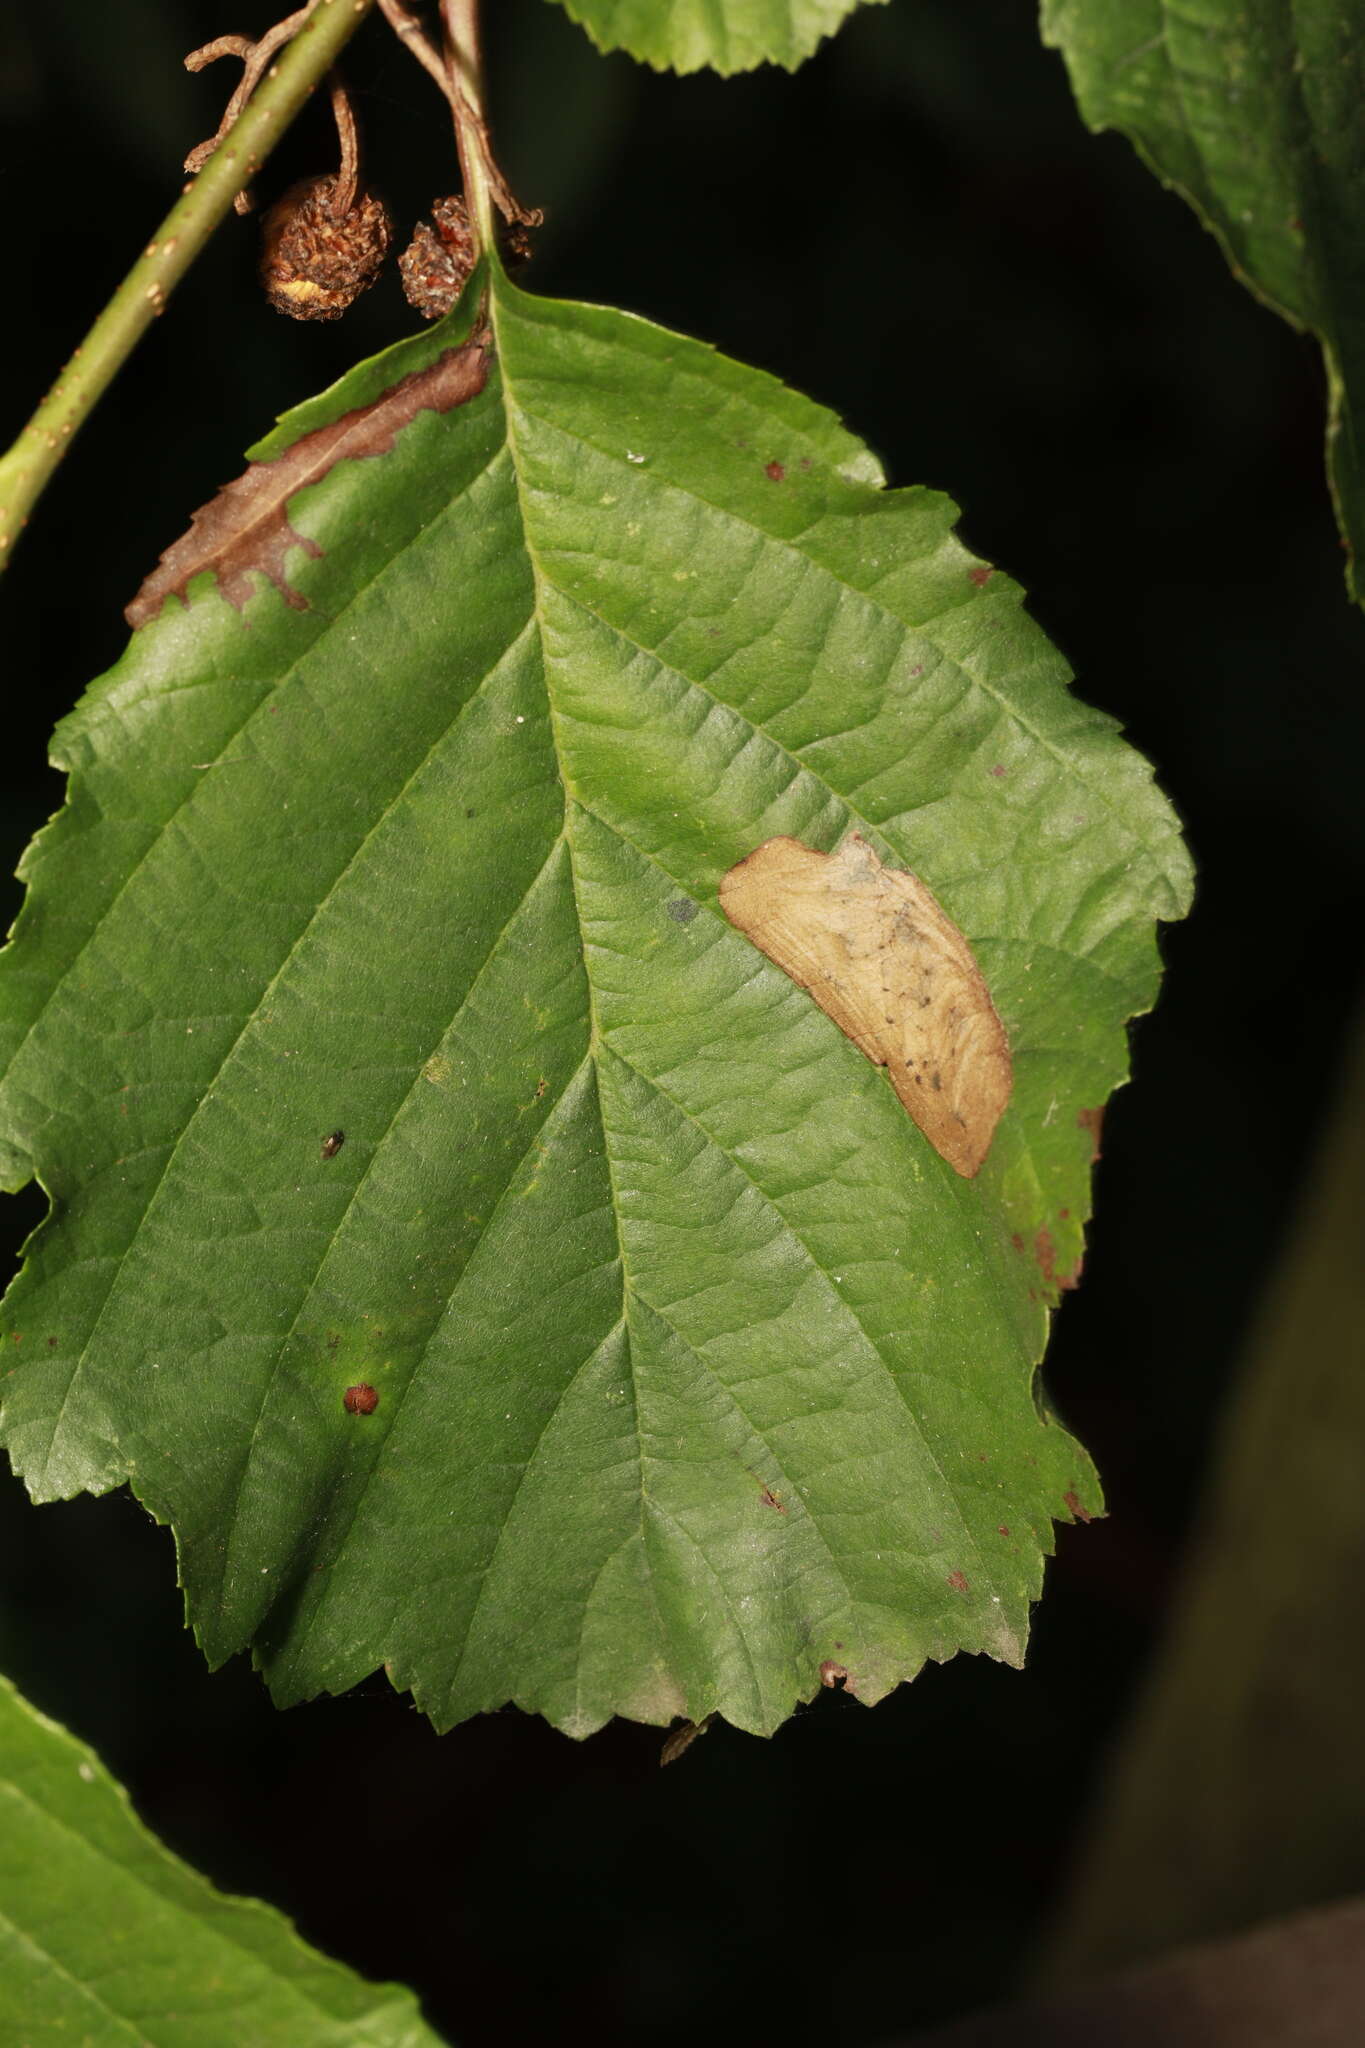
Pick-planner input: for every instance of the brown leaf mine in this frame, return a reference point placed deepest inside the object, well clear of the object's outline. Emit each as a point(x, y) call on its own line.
point(245, 532)
point(882, 959)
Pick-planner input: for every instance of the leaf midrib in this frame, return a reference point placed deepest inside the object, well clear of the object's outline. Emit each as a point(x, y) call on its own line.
point(596, 1036)
point(1007, 710)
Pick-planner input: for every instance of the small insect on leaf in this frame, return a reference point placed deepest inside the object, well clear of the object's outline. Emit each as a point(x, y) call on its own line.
point(333, 1144)
point(886, 963)
point(361, 1400)
point(679, 1740)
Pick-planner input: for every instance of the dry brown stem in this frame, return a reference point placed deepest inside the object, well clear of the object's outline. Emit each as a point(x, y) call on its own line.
point(408, 28)
point(255, 61)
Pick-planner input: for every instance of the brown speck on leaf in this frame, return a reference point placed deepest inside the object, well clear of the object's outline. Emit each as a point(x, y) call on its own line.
point(1072, 1501)
point(774, 471)
point(1092, 1120)
point(998, 771)
point(1045, 1251)
point(980, 575)
point(316, 260)
point(52, 1343)
point(884, 961)
point(832, 1673)
point(1003, 1530)
point(772, 1500)
point(245, 532)
point(959, 1582)
point(333, 1144)
point(681, 1739)
point(361, 1400)
point(541, 1085)
point(439, 260)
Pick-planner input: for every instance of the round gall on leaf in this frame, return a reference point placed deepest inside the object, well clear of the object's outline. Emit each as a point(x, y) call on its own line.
point(361, 1400)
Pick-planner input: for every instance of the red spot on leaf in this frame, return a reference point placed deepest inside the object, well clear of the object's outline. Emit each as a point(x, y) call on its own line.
point(1045, 1251)
point(1003, 1530)
point(1081, 1514)
point(959, 1582)
point(1017, 1241)
point(774, 471)
point(980, 575)
point(772, 1500)
point(361, 1400)
point(998, 770)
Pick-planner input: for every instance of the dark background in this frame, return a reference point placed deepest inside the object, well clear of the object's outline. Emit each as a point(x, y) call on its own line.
point(917, 230)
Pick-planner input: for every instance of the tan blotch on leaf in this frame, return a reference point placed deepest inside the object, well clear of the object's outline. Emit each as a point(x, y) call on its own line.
point(437, 263)
point(316, 262)
point(244, 532)
point(881, 958)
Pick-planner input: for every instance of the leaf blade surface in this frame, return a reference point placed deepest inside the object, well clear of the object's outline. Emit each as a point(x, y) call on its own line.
point(694, 1370)
point(1250, 110)
point(107, 1938)
point(726, 35)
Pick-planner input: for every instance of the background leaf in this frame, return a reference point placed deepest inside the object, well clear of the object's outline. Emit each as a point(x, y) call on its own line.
point(105, 1937)
point(1251, 111)
point(697, 1368)
point(726, 35)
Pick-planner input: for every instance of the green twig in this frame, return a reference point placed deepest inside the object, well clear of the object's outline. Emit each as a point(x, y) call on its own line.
point(28, 465)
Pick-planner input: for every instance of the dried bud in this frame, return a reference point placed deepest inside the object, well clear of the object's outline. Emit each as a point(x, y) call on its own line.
point(315, 264)
point(437, 261)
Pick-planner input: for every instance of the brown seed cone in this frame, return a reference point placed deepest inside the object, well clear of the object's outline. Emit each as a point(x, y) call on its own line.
point(314, 266)
point(437, 262)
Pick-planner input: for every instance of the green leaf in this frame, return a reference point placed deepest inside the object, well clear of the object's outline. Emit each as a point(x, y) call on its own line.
point(727, 35)
point(697, 1367)
point(105, 1937)
point(1251, 111)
